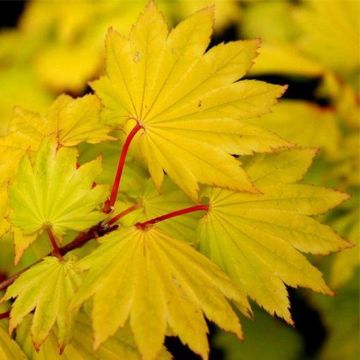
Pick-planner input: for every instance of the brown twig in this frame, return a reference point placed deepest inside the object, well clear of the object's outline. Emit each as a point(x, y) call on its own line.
point(4, 315)
point(95, 232)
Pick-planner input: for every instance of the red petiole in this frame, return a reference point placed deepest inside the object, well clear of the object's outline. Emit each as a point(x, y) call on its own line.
point(56, 250)
point(109, 203)
point(122, 214)
point(144, 225)
point(98, 230)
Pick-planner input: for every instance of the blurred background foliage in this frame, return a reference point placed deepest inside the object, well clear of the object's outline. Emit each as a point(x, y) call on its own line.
point(53, 47)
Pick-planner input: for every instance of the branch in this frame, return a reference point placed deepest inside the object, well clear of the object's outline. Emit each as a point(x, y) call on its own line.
point(4, 315)
point(109, 203)
point(200, 207)
point(102, 229)
point(94, 232)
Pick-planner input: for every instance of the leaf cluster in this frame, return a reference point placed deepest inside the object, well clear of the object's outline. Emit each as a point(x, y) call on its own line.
point(169, 197)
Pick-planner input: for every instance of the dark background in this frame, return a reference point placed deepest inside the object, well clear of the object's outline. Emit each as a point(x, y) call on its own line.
point(307, 320)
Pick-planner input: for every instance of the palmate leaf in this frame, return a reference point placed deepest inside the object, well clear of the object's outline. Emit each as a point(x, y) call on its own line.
point(54, 194)
point(188, 102)
point(256, 238)
point(73, 121)
point(156, 282)
point(46, 288)
point(120, 347)
point(24, 133)
point(68, 122)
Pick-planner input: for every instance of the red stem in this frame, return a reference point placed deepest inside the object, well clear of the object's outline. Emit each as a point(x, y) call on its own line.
point(122, 214)
point(200, 207)
point(109, 203)
point(54, 244)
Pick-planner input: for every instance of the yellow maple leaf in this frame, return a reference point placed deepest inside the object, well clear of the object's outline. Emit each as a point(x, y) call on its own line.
point(48, 288)
point(187, 102)
point(67, 122)
point(256, 238)
point(155, 282)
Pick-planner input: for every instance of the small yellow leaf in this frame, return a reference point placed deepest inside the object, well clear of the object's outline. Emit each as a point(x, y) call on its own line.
point(72, 121)
point(46, 288)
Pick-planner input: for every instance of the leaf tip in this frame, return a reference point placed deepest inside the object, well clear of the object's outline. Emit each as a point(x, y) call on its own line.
point(12, 326)
point(283, 89)
point(258, 41)
point(37, 346)
point(98, 340)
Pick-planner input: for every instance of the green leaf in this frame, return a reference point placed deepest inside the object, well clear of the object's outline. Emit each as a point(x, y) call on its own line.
point(53, 193)
point(256, 238)
point(156, 282)
point(46, 288)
